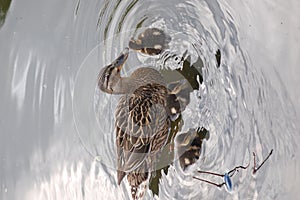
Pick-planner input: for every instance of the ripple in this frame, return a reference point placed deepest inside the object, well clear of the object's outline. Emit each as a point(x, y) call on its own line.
point(245, 108)
point(234, 102)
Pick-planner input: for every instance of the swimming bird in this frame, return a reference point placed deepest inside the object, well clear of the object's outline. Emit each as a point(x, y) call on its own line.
point(152, 41)
point(142, 119)
point(189, 145)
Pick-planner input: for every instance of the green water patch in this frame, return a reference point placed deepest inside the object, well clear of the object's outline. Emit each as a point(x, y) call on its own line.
point(4, 6)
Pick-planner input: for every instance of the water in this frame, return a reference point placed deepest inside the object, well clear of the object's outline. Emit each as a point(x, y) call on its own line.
point(245, 104)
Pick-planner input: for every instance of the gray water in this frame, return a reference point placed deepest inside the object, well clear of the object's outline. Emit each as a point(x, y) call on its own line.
point(50, 52)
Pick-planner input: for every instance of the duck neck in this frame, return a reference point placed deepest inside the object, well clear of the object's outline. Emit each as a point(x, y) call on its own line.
point(125, 85)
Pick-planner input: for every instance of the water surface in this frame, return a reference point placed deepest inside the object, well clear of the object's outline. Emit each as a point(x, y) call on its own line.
point(244, 103)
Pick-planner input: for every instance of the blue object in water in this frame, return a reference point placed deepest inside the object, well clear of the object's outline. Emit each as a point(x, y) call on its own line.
point(228, 182)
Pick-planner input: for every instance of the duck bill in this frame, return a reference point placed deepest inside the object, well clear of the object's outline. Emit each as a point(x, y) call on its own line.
point(119, 62)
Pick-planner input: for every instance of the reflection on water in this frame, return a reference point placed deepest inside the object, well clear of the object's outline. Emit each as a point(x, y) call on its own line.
point(242, 102)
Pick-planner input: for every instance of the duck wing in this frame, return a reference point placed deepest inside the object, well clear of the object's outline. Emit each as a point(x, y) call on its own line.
point(141, 127)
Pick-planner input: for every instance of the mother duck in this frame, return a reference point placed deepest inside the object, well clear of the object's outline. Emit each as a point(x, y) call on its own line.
point(142, 119)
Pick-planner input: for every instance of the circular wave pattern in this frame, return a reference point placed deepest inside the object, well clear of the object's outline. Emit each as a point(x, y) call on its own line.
point(95, 121)
point(237, 104)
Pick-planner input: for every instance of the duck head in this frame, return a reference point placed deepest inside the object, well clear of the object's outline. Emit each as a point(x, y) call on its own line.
point(109, 76)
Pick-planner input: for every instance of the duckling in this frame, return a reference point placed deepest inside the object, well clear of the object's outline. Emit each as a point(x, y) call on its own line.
point(152, 41)
point(189, 145)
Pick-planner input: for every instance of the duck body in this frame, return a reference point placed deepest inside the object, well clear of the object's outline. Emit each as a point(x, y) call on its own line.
point(141, 114)
point(142, 129)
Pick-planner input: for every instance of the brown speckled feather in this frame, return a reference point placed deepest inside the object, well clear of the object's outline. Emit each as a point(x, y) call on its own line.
point(142, 127)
